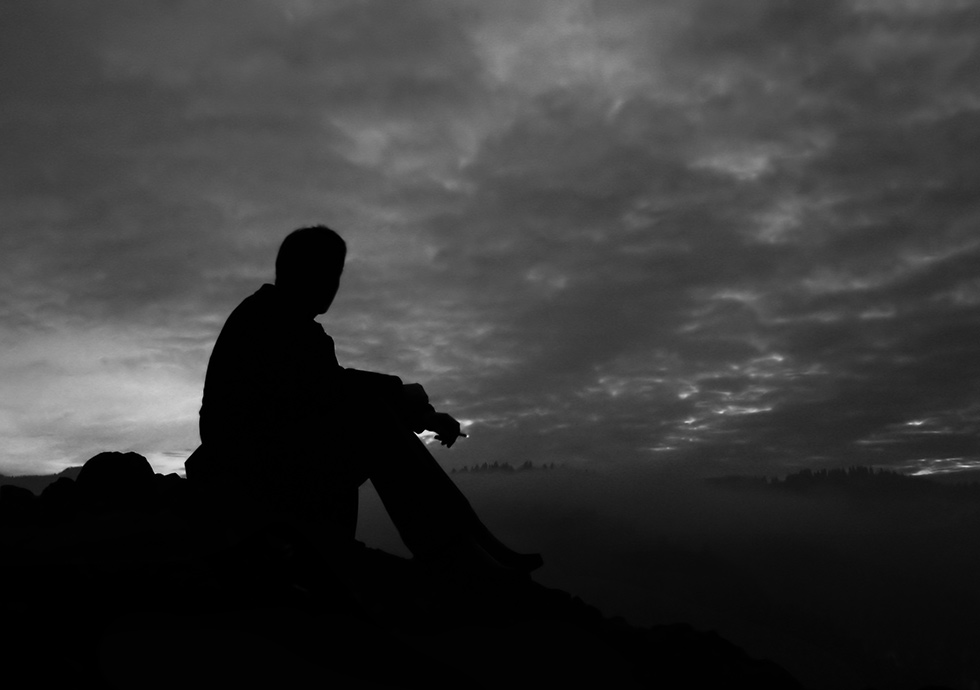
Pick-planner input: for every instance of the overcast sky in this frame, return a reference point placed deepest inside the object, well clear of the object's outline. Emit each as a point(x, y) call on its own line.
point(725, 236)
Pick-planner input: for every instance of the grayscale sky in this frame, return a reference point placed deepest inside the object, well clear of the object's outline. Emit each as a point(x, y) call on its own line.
point(723, 236)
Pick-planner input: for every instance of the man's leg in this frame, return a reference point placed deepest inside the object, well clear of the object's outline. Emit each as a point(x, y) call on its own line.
point(428, 509)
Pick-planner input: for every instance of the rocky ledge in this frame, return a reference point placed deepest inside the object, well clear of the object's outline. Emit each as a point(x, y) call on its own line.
point(109, 581)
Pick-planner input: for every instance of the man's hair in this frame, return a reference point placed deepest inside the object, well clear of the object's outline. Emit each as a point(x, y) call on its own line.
point(315, 248)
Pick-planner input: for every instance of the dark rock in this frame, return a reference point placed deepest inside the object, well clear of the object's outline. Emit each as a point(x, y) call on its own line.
point(117, 481)
point(59, 500)
point(171, 490)
point(363, 618)
point(18, 506)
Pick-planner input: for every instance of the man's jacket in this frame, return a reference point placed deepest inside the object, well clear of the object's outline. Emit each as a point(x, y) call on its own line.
point(274, 386)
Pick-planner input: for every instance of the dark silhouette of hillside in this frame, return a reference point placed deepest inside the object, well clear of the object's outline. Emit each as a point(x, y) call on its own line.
point(36, 482)
point(107, 583)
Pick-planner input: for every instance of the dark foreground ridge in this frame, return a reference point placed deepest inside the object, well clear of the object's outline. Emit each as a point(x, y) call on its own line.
point(108, 582)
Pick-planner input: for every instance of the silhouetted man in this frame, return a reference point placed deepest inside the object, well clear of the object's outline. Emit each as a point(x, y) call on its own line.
point(287, 433)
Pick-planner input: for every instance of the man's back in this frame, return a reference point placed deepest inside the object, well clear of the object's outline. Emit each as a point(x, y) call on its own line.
point(273, 379)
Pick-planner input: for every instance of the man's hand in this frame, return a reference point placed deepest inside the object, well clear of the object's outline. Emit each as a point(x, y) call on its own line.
point(446, 428)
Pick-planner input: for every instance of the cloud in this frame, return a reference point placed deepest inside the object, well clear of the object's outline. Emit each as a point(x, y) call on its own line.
point(678, 231)
point(157, 157)
point(747, 246)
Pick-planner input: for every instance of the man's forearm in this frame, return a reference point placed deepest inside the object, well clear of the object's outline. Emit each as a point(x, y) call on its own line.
point(408, 401)
point(415, 408)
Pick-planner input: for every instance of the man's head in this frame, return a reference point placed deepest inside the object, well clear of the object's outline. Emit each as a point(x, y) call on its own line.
point(309, 265)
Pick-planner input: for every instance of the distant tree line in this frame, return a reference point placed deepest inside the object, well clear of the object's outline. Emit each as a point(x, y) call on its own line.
point(869, 477)
point(504, 467)
point(845, 475)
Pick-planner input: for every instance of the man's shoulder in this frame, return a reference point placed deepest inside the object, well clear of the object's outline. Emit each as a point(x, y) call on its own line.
point(254, 315)
point(260, 304)
point(263, 298)
point(264, 315)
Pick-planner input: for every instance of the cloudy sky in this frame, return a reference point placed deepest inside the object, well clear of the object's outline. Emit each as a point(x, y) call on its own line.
point(724, 236)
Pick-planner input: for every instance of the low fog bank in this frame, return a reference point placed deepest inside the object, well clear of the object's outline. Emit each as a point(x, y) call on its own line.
point(846, 589)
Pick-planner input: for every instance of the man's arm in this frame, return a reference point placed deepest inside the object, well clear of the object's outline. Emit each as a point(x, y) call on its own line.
point(409, 401)
point(414, 407)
